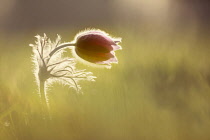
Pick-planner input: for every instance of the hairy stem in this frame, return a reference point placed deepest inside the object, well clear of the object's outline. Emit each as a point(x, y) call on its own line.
point(45, 108)
point(63, 45)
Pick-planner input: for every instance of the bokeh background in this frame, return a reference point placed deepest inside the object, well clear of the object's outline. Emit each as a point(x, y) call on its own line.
point(160, 90)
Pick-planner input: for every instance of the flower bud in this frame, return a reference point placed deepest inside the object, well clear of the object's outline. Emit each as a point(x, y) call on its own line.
point(97, 47)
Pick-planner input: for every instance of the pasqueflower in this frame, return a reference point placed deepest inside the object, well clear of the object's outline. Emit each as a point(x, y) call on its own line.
point(97, 47)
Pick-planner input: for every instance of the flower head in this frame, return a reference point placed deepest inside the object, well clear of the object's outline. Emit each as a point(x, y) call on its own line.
point(97, 47)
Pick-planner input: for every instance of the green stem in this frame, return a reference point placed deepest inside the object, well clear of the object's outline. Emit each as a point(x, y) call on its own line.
point(45, 107)
point(63, 45)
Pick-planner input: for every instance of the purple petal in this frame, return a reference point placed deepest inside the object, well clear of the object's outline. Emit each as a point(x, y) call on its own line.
point(97, 41)
point(116, 47)
point(95, 57)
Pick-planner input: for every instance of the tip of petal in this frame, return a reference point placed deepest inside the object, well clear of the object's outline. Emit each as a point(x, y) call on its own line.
point(116, 47)
point(109, 61)
point(117, 40)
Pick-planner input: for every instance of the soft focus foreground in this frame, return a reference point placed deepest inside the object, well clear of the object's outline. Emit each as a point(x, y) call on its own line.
point(160, 89)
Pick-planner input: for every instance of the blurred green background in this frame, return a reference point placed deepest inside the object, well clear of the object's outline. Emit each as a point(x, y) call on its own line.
point(160, 90)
